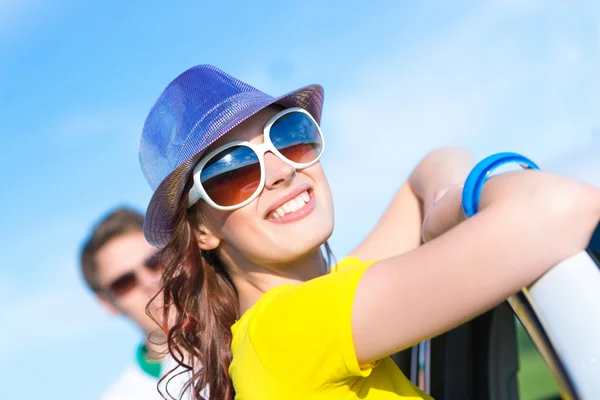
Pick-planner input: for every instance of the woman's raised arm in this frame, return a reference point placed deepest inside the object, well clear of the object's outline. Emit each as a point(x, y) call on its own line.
point(528, 222)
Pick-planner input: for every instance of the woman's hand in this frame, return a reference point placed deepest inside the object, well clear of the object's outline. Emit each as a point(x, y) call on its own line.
point(438, 180)
point(440, 170)
point(444, 213)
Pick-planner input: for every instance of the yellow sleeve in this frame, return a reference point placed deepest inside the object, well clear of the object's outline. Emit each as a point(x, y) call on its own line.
point(303, 333)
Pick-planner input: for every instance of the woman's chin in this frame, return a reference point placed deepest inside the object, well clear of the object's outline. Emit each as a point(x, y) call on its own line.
point(303, 241)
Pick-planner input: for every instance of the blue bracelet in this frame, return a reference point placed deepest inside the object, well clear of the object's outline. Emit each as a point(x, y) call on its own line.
point(481, 172)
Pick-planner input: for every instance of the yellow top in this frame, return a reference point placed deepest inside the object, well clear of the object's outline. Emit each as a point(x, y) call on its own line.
point(296, 343)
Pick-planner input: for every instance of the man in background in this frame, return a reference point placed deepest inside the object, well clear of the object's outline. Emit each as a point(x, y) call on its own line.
point(121, 269)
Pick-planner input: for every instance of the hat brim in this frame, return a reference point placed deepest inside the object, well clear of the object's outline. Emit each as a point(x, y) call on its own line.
point(160, 220)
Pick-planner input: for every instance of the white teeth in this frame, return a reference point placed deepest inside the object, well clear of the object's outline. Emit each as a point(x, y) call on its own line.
point(293, 205)
point(305, 197)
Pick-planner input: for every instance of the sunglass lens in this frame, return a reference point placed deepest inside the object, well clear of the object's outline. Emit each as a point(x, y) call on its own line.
point(124, 284)
point(232, 176)
point(297, 138)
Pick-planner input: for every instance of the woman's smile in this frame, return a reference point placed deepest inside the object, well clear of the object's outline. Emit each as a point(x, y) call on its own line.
point(294, 206)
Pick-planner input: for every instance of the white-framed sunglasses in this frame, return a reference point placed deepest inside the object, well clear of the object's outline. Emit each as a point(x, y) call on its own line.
point(233, 175)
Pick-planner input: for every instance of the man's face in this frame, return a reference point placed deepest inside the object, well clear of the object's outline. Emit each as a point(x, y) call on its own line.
point(129, 278)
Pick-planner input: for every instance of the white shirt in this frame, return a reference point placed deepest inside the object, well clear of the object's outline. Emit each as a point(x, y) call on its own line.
point(176, 380)
point(133, 384)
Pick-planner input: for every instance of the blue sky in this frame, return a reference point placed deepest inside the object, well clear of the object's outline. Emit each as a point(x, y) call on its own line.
point(77, 79)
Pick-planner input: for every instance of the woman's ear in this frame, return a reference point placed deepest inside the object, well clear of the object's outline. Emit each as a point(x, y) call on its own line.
point(207, 240)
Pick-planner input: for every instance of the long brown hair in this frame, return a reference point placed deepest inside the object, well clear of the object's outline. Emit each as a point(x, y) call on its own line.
point(200, 306)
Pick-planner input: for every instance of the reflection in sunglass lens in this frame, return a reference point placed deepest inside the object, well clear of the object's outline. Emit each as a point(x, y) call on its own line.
point(296, 137)
point(124, 284)
point(232, 176)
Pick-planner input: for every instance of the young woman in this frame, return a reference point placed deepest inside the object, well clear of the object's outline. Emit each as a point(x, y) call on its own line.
point(242, 209)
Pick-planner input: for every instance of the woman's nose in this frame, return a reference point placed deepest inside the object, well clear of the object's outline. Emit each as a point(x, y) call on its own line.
point(277, 171)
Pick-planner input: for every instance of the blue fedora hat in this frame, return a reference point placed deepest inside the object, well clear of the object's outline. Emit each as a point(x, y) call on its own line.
point(197, 108)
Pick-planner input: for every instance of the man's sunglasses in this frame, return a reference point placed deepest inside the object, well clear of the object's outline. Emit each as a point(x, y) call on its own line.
point(233, 175)
point(125, 283)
